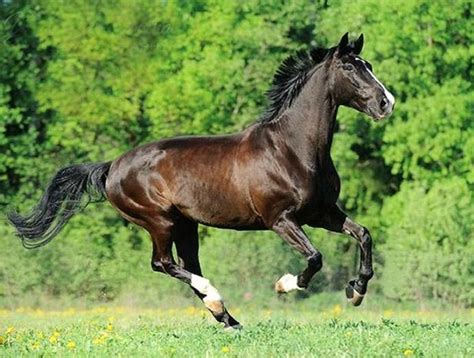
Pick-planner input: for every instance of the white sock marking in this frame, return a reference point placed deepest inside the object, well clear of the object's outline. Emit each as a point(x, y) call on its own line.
point(289, 282)
point(203, 285)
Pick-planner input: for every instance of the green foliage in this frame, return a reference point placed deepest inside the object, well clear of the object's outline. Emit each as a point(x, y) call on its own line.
point(218, 81)
point(439, 143)
point(85, 81)
point(105, 61)
point(429, 254)
point(20, 125)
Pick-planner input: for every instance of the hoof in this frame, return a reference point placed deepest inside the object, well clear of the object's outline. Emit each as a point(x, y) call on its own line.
point(234, 328)
point(353, 296)
point(287, 283)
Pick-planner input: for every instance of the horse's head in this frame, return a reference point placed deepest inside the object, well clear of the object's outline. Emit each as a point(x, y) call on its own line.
point(354, 85)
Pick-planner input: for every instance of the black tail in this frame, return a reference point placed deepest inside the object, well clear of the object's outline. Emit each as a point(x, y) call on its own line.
point(61, 200)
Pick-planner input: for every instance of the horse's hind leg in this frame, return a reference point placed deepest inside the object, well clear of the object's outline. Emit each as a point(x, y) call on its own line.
point(187, 247)
point(184, 235)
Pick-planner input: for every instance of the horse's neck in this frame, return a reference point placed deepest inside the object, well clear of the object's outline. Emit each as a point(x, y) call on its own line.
point(309, 123)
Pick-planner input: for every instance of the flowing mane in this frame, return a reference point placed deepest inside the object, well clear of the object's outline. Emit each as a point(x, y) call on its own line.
point(290, 78)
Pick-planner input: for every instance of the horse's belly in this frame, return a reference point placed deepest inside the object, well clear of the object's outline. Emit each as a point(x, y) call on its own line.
point(219, 209)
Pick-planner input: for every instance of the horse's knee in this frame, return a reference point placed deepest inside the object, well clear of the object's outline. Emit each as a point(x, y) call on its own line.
point(366, 238)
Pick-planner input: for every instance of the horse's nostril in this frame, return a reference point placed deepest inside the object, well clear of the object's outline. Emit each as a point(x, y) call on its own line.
point(383, 104)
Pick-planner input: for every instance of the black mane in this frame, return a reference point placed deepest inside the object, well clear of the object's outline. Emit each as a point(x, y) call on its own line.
point(290, 78)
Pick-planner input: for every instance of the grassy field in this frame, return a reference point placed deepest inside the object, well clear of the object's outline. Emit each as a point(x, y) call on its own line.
point(337, 331)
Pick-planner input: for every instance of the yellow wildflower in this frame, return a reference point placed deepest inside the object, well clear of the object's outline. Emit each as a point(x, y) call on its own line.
point(191, 310)
point(2, 340)
point(53, 339)
point(38, 312)
point(10, 330)
point(109, 327)
point(337, 310)
point(71, 345)
point(225, 349)
point(97, 341)
point(408, 352)
point(69, 312)
point(100, 339)
point(35, 345)
point(348, 334)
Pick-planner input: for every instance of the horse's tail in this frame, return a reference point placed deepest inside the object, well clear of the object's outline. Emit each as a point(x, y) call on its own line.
point(61, 200)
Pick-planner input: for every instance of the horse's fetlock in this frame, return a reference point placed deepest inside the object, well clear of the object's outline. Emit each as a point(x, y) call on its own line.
point(316, 260)
point(213, 305)
point(301, 282)
point(366, 273)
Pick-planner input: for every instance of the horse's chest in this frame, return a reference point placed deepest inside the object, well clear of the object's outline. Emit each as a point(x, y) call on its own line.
point(324, 191)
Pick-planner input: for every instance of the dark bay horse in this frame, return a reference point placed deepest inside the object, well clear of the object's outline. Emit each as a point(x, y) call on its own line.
point(275, 175)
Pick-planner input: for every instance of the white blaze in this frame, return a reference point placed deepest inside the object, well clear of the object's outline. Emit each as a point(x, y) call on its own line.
point(388, 95)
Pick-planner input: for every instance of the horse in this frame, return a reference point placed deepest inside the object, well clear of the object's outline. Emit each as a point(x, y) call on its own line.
point(277, 174)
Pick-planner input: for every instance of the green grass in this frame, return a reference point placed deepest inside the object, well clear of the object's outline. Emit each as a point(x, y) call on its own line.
point(337, 331)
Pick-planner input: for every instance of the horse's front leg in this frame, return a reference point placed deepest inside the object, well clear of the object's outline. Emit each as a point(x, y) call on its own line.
point(336, 220)
point(290, 231)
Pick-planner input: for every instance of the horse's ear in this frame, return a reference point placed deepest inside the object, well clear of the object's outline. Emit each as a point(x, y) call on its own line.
point(343, 46)
point(358, 44)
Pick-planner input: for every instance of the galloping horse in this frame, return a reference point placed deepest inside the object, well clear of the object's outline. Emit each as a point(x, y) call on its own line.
point(275, 175)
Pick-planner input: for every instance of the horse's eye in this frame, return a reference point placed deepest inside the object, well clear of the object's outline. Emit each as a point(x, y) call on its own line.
point(348, 67)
